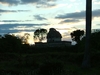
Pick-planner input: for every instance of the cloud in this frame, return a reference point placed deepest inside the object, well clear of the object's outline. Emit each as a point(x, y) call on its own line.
point(14, 28)
point(14, 20)
point(3, 11)
point(38, 17)
point(36, 1)
point(12, 11)
point(69, 21)
point(96, 13)
point(39, 3)
point(75, 15)
point(29, 1)
point(78, 15)
point(10, 2)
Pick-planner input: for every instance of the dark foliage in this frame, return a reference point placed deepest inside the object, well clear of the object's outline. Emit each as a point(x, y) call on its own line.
point(40, 34)
point(94, 43)
point(45, 60)
point(76, 35)
point(10, 43)
point(51, 68)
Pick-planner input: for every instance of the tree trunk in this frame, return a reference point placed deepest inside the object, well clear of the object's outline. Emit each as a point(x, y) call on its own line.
point(86, 59)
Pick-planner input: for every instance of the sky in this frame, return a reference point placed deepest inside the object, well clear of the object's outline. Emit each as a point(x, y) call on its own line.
point(25, 16)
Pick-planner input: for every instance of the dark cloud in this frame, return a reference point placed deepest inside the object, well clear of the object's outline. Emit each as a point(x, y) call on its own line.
point(69, 20)
point(96, 13)
point(78, 15)
point(38, 17)
point(14, 28)
point(11, 21)
point(29, 1)
point(45, 4)
point(16, 25)
point(7, 26)
point(39, 3)
point(75, 15)
point(3, 11)
point(9, 11)
point(36, 1)
point(14, 20)
point(10, 2)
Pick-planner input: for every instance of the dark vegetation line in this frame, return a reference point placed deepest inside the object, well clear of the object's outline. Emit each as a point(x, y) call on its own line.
point(23, 59)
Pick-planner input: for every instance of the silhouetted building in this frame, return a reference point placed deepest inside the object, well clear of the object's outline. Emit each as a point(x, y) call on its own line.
point(53, 36)
point(53, 40)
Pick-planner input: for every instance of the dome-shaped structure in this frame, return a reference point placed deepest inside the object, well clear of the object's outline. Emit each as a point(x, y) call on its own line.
point(53, 35)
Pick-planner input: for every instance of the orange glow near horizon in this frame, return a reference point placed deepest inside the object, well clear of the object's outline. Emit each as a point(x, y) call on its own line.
point(64, 29)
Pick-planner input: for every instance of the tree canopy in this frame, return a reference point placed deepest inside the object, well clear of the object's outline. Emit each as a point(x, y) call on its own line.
point(40, 34)
point(25, 38)
point(76, 35)
point(9, 42)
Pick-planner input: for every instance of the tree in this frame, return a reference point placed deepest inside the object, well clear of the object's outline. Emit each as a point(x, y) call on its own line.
point(40, 34)
point(10, 42)
point(25, 38)
point(86, 59)
point(95, 41)
point(76, 35)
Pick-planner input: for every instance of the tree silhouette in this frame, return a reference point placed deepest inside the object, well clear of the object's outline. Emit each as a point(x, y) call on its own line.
point(10, 42)
point(86, 60)
point(76, 35)
point(95, 40)
point(25, 38)
point(40, 34)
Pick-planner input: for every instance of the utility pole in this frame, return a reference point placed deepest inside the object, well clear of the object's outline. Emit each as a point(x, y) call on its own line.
point(86, 59)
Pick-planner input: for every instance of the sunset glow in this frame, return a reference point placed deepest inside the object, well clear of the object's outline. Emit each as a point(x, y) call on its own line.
point(25, 16)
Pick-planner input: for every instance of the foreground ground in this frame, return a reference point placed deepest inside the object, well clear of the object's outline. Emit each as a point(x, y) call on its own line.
point(59, 61)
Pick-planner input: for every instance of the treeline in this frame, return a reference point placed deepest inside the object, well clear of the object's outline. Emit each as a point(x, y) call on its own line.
point(94, 43)
point(12, 43)
point(22, 59)
point(9, 43)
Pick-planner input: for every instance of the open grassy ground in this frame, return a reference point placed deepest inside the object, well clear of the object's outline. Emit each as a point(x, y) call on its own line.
point(48, 61)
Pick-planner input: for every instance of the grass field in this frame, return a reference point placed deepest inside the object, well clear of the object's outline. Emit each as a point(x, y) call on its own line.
point(48, 61)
